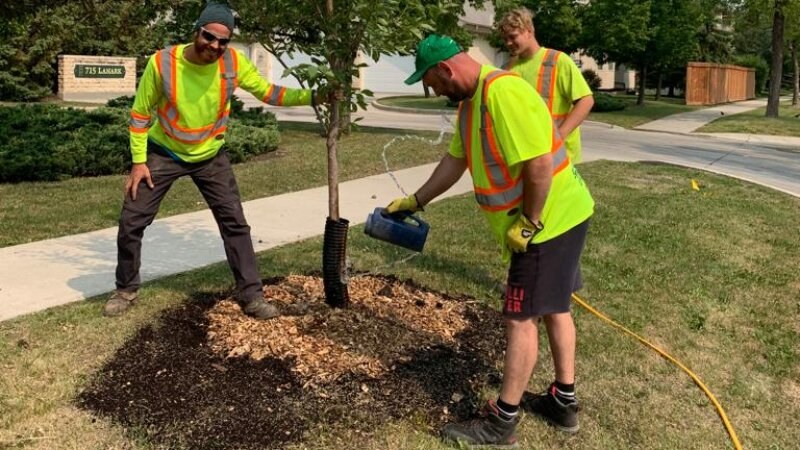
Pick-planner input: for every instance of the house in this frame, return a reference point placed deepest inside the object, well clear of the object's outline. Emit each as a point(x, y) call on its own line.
point(386, 75)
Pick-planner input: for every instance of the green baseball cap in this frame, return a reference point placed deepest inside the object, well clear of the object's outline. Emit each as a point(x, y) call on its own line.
point(431, 51)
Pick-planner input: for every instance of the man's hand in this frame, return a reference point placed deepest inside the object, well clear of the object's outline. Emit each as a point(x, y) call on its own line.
point(138, 173)
point(520, 233)
point(409, 204)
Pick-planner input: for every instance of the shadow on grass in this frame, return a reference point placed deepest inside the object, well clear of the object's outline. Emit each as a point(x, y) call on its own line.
point(167, 386)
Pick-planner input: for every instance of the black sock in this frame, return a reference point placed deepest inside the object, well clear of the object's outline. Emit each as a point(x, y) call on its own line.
point(565, 393)
point(506, 411)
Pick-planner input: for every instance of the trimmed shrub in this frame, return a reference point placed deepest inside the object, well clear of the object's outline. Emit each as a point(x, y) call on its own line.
point(592, 79)
point(244, 141)
point(126, 101)
point(50, 143)
point(605, 103)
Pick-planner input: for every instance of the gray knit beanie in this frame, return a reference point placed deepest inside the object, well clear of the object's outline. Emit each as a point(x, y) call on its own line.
point(215, 13)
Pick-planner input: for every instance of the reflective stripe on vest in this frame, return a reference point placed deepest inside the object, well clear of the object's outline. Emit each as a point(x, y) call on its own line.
point(138, 123)
point(504, 192)
point(167, 63)
point(548, 74)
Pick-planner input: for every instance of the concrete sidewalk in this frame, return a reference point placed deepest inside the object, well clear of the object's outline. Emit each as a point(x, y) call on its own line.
point(43, 274)
point(688, 122)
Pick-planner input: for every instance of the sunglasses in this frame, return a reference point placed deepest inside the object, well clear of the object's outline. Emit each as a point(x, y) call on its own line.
point(211, 38)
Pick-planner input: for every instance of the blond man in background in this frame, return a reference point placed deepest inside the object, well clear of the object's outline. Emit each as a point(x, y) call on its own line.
point(552, 73)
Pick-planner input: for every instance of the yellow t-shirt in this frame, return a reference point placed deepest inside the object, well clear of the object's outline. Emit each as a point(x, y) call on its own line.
point(570, 87)
point(523, 130)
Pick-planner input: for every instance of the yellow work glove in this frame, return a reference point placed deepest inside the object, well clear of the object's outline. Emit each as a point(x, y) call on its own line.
point(409, 204)
point(520, 233)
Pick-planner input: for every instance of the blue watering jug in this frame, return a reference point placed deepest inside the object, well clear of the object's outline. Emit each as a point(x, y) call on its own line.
point(402, 228)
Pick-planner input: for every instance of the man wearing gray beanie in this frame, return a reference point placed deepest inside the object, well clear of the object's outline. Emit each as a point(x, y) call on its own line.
point(177, 128)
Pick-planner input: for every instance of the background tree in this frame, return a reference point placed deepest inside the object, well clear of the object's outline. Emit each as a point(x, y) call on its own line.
point(674, 24)
point(776, 68)
point(793, 42)
point(643, 34)
point(37, 31)
point(715, 31)
point(618, 30)
point(334, 34)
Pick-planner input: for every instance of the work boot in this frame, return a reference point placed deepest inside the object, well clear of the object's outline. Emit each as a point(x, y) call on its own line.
point(119, 302)
point(560, 415)
point(487, 431)
point(258, 308)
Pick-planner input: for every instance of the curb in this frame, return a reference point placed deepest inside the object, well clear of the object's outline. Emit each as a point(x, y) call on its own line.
point(400, 109)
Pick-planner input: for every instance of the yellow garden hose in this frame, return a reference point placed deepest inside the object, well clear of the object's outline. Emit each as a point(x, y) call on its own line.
point(736, 444)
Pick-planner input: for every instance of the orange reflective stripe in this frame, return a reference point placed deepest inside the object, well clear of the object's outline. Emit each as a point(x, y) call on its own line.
point(168, 116)
point(274, 95)
point(547, 76)
point(492, 161)
point(223, 88)
point(559, 152)
point(133, 129)
point(503, 192)
point(138, 122)
point(280, 96)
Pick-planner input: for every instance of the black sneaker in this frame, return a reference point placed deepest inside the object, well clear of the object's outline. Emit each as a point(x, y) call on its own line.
point(486, 432)
point(563, 416)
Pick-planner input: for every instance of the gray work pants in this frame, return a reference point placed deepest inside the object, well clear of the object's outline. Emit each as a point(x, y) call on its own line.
point(216, 182)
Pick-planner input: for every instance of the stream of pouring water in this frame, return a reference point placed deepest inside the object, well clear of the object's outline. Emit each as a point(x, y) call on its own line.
point(446, 126)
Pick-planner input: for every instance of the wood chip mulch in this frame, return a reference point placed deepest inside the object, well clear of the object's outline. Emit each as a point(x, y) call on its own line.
point(384, 321)
point(204, 376)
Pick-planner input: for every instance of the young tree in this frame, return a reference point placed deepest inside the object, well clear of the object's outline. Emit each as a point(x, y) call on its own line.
point(333, 34)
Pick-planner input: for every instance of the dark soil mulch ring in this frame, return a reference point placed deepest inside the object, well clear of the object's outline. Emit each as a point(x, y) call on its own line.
point(205, 376)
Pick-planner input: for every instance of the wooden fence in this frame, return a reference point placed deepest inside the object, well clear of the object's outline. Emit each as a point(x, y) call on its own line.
point(712, 84)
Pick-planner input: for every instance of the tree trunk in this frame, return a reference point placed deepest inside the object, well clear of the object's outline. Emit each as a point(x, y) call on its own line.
point(795, 76)
point(776, 72)
point(345, 119)
point(660, 78)
point(333, 162)
point(671, 92)
point(642, 84)
point(426, 89)
point(334, 246)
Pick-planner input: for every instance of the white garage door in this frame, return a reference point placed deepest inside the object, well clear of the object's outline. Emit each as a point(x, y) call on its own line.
point(387, 75)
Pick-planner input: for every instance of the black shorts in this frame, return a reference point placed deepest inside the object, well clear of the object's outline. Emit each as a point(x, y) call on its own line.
point(541, 280)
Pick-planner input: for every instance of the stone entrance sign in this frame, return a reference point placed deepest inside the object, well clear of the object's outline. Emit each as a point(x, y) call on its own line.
point(95, 78)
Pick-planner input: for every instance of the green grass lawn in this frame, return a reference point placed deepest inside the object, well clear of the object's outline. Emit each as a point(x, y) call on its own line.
point(36, 211)
point(635, 115)
point(418, 102)
point(719, 294)
point(754, 122)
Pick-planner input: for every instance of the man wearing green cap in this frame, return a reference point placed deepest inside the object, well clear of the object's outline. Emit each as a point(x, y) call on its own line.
point(538, 208)
point(177, 128)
